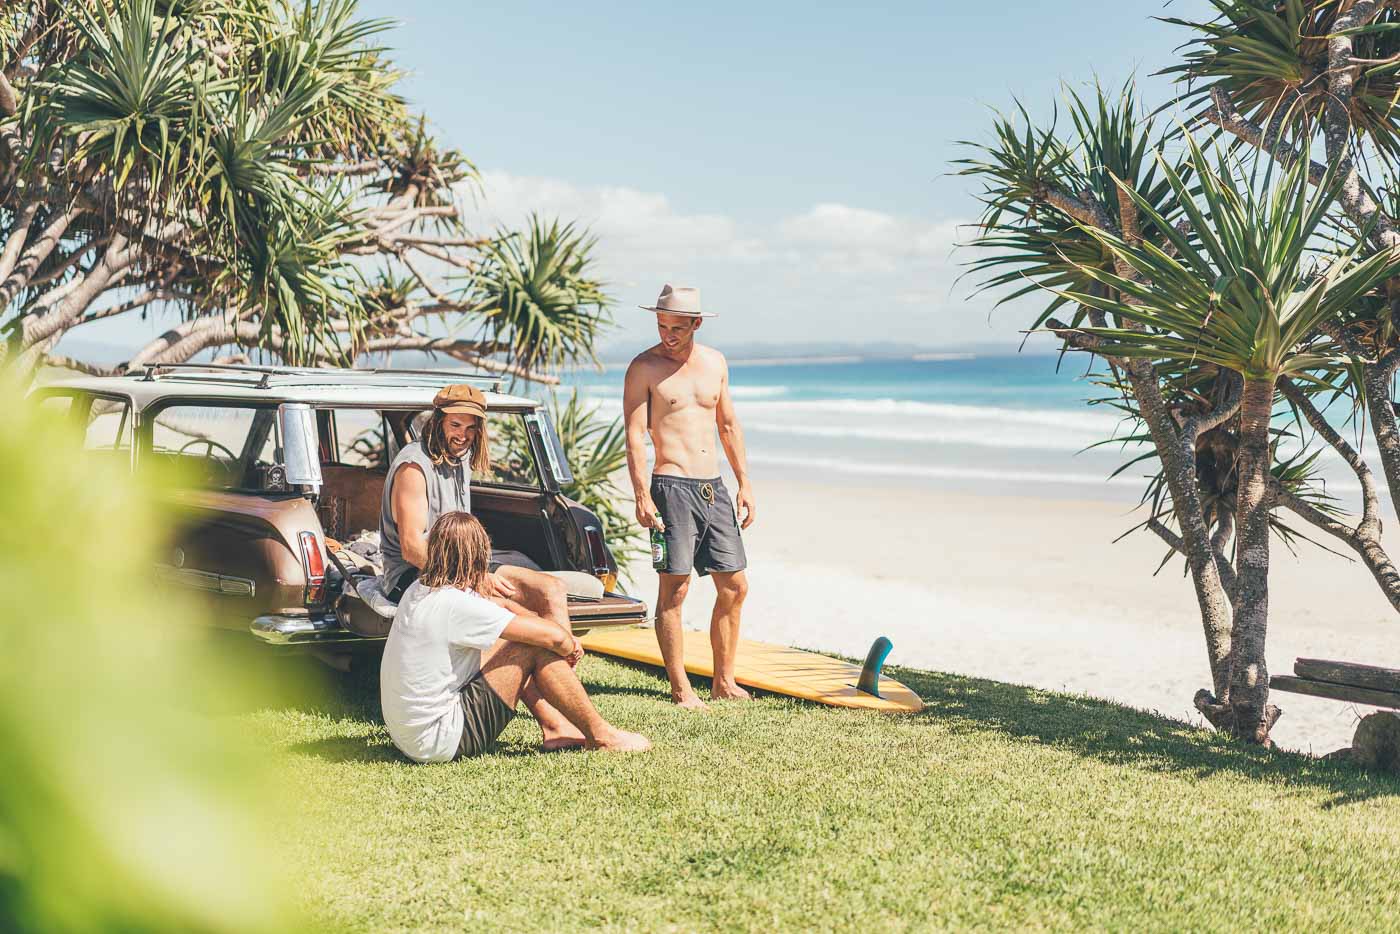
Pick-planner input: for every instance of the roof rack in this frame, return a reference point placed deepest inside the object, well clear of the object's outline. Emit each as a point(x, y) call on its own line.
point(264, 377)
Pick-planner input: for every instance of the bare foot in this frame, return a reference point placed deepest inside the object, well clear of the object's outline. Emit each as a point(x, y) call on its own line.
point(558, 733)
point(688, 700)
point(622, 741)
point(730, 691)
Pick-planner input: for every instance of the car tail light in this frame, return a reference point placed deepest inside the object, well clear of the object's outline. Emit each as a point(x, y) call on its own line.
point(314, 563)
point(596, 552)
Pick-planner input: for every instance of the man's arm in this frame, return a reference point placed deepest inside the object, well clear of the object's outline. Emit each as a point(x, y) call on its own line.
point(532, 630)
point(409, 505)
point(731, 436)
point(634, 417)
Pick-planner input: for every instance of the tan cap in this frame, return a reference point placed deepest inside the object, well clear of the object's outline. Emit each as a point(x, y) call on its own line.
point(460, 399)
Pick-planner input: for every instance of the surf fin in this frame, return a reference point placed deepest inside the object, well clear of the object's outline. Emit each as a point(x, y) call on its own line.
point(869, 680)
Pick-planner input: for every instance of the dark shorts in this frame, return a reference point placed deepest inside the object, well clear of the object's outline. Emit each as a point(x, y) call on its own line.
point(498, 559)
point(484, 717)
point(702, 531)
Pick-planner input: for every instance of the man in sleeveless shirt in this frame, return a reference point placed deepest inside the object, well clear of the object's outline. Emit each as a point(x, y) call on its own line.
point(433, 476)
point(678, 393)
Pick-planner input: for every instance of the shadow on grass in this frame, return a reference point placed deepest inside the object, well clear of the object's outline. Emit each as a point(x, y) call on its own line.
point(348, 749)
point(1094, 729)
point(1119, 735)
point(379, 749)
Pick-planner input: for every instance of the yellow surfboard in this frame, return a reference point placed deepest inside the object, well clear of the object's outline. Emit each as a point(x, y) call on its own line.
point(768, 667)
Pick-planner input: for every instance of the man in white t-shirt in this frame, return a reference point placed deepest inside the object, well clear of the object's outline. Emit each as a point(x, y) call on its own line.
point(456, 663)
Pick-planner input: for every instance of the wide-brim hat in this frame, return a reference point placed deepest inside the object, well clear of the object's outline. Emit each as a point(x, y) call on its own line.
point(679, 300)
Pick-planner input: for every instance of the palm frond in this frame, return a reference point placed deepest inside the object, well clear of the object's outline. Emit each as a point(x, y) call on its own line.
point(537, 294)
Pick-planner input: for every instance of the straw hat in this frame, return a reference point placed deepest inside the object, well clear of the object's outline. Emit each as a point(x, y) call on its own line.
point(679, 300)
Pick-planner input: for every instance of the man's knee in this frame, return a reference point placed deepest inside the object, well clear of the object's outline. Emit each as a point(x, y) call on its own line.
point(673, 589)
point(733, 587)
point(544, 590)
point(555, 590)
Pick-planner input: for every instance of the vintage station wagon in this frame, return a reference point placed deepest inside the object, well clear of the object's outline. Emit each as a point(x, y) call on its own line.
point(287, 465)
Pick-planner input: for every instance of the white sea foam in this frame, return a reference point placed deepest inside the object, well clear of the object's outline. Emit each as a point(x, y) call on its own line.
point(766, 400)
point(1019, 438)
point(738, 392)
point(917, 422)
point(941, 472)
point(757, 392)
point(942, 357)
point(1101, 424)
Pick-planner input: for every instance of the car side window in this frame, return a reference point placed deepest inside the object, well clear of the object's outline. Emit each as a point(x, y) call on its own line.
point(512, 460)
point(105, 422)
point(223, 446)
point(362, 439)
point(108, 425)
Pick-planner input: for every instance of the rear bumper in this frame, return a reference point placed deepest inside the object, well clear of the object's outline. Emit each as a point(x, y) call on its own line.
point(319, 629)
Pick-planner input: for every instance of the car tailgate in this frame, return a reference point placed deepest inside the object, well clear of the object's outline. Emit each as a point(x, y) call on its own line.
point(613, 609)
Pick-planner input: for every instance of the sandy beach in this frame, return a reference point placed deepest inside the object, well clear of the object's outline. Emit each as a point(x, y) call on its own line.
point(1031, 591)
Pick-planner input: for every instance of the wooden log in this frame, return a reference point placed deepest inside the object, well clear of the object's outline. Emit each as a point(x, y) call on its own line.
point(1364, 676)
point(1346, 692)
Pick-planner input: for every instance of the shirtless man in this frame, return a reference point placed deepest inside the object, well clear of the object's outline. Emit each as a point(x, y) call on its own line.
point(678, 392)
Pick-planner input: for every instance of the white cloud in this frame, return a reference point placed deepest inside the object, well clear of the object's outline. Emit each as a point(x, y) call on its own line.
point(865, 241)
point(820, 274)
point(637, 225)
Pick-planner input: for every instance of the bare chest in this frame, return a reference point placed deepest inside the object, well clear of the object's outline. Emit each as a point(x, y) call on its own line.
point(686, 390)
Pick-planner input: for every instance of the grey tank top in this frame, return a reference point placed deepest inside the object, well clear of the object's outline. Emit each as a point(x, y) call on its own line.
point(449, 490)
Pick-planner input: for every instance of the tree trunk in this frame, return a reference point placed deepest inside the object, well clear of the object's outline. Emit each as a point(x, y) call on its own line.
point(1249, 672)
point(1180, 470)
point(1383, 426)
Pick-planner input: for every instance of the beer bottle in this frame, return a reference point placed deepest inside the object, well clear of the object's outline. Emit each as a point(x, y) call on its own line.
point(658, 549)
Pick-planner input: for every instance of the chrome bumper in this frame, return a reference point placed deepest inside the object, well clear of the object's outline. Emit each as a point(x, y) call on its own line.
point(279, 629)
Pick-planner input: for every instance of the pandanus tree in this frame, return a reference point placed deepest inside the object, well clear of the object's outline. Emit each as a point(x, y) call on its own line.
point(1240, 295)
point(1259, 284)
point(248, 164)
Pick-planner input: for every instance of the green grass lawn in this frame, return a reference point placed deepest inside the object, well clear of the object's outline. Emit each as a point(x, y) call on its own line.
point(998, 806)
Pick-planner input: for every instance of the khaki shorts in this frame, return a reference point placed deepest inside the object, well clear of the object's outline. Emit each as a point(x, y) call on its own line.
point(484, 717)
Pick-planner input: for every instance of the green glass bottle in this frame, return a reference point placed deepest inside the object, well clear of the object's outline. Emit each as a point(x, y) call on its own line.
point(658, 549)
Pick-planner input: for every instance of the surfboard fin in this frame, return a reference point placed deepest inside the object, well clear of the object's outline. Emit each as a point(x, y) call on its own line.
point(869, 680)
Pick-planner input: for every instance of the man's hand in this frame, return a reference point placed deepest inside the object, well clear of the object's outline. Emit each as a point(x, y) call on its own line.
point(647, 514)
point(494, 585)
point(744, 504)
point(575, 653)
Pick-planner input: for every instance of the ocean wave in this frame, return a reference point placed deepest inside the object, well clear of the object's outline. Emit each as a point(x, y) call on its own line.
point(1060, 440)
point(942, 357)
point(1102, 424)
point(911, 420)
point(939, 472)
point(737, 392)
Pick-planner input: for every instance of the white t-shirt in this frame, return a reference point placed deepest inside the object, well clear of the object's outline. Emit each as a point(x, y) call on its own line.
point(434, 649)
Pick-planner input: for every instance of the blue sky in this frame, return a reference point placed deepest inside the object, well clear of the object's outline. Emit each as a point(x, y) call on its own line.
point(789, 159)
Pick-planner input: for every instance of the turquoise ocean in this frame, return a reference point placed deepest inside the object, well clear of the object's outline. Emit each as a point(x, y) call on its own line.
point(1012, 424)
point(1015, 424)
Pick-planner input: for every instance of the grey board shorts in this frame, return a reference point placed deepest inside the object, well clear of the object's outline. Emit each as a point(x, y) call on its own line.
point(484, 717)
point(702, 531)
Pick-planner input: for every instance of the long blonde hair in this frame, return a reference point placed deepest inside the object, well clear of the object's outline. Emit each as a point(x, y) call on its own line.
point(435, 444)
point(459, 552)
